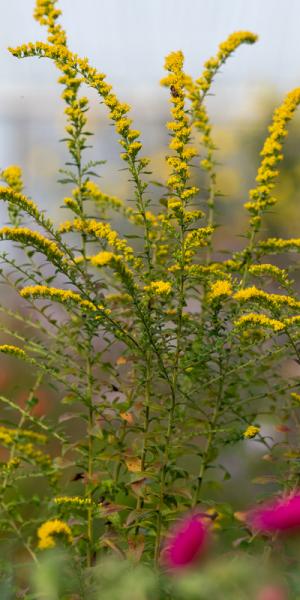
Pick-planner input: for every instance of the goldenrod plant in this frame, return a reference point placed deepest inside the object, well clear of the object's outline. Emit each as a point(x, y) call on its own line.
point(164, 352)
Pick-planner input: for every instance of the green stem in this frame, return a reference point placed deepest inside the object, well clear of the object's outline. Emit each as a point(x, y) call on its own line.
point(20, 425)
point(211, 434)
point(89, 486)
point(173, 388)
point(140, 501)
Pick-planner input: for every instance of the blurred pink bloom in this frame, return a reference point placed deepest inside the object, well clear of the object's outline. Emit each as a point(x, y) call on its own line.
point(271, 592)
point(280, 515)
point(186, 542)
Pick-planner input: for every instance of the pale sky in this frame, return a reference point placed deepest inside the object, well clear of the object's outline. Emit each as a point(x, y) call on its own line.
point(128, 39)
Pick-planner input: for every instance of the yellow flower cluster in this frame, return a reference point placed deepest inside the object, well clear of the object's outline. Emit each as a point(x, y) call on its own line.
point(13, 463)
point(23, 433)
point(160, 288)
point(5, 436)
point(37, 456)
point(12, 175)
point(179, 129)
point(18, 199)
point(73, 501)
point(46, 14)
point(272, 154)
point(267, 269)
point(295, 396)
point(101, 231)
point(195, 239)
point(118, 110)
point(63, 296)
point(196, 93)
point(116, 262)
point(277, 245)
point(292, 320)
point(33, 238)
point(103, 258)
point(251, 432)
point(118, 298)
point(254, 319)
point(9, 349)
point(105, 200)
point(274, 301)
point(220, 289)
point(202, 271)
point(27, 433)
point(225, 50)
point(50, 530)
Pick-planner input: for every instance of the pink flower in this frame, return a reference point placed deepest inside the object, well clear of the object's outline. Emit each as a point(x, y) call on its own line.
point(280, 515)
point(186, 542)
point(271, 592)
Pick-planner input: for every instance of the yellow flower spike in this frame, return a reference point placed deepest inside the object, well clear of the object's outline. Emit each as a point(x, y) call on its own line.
point(197, 91)
point(70, 63)
point(36, 456)
point(272, 155)
point(295, 320)
point(14, 350)
point(179, 129)
point(259, 320)
point(198, 238)
point(50, 531)
point(16, 198)
point(63, 296)
point(24, 433)
point(46, 14)
point(273, 301)
point(225, 50)
point(262, 270)
point(251, 432)
point(101, 231)
point(277, 245)
point(295, 396)
point(35, 239)
point(116, 262)
point(76, 501)
point(13, 434)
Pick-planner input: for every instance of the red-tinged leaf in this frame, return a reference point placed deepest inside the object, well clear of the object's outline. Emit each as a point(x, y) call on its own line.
point(267, 457)
point(282, 428)
point(67, 417)
point(107, 508)
point(184, 493)
point(78, 477)
point(111, 544)
point(138, 486)
point(239, 541)
point(264, 479)
point(137, 515)
point(136, 548)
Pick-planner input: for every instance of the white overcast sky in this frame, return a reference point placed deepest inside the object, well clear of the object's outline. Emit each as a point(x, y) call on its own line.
point(128, 39)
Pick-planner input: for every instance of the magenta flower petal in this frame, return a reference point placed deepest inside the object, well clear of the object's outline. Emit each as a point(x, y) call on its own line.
point(185, 542)
point(280, 515)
